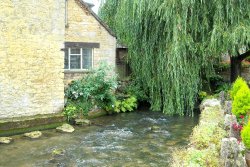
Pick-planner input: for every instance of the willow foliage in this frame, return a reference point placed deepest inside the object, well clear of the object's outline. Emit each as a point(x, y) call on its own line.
point(171, 42)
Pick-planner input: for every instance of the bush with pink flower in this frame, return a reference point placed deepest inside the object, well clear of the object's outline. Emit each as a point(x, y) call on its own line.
point(240, 94)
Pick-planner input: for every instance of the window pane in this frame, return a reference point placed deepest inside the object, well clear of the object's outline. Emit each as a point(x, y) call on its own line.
point(66, 59)
point(75, 51)
point(87, 58)
point(75, 61)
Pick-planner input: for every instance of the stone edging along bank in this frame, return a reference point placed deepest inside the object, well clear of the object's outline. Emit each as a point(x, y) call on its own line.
point(14, 126)
point(212, 142)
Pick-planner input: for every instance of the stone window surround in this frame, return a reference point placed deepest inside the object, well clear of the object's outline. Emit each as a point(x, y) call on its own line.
point(80, 45)
point(80, 59)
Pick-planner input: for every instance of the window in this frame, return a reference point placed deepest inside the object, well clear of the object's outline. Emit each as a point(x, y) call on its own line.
point(78, 59)
point(79, 55)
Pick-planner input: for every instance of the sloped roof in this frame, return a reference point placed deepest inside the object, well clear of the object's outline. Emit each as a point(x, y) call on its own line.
point(84, 5)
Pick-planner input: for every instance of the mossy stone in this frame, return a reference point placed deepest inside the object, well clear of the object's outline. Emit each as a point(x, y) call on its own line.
point(5, 140)
point(65, 128)
point(58, 152)
point(33, 135)
point(82, 122)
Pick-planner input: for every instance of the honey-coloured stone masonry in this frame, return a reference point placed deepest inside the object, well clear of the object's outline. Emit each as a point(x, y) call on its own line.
point(31, 60)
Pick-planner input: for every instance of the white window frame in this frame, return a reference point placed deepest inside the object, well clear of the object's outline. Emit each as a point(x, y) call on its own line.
point(81, 55)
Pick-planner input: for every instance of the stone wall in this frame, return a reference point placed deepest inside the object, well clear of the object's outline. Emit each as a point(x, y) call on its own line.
point(84, 27)
point(231, 148)
point(31, 63)
point(205, 140)
point(213, 141)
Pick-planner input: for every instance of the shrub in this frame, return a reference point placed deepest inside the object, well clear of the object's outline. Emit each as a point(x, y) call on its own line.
point(132, 88)
point(215, 81)
point(245, 135)
point(98, 84)
point(129, 104)
point(241, 102)
point(238, 84)
point(243, 119)
point(135, 90)
point(97, 88)
point(101, 86)
point(223, 87)
point(202, 95)
point(70, 111)
point(124, 105)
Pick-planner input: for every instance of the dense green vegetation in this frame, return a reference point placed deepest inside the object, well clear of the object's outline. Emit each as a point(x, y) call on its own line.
point(240, 94)
point(95, 89)
point(100, 89)
point(245, 135)
point(123, 105)
point(237, 85)
point(172, 44)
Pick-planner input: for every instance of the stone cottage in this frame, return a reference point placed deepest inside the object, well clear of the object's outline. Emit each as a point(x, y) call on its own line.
point(43, 45)
point(88, 41)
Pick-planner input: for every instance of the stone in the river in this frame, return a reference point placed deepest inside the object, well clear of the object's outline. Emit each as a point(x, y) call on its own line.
point(5, 140)
point(152, 136)
point(65, 128)
point(155, 128)
point(58, 152)
point(82, 122)
point(33, 135)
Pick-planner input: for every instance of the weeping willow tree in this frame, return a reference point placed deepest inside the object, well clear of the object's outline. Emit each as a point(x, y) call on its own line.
point(172, 43)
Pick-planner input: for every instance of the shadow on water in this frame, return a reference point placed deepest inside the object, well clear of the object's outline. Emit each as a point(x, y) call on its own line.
point(133, 139)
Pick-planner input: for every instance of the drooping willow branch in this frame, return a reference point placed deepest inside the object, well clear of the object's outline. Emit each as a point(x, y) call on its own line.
point(172, 42)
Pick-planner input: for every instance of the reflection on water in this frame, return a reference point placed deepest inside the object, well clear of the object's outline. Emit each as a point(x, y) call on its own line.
point(132, 139)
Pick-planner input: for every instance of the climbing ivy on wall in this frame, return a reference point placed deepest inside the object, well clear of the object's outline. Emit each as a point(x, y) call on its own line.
point(173, 42)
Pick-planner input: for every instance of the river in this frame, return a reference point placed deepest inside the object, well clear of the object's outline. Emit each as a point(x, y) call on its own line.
point(143, 139)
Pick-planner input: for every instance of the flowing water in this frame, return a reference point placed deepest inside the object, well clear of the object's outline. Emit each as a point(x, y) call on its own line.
point(126, 140)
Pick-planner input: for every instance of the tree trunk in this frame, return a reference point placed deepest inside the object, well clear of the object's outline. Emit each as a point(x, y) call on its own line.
point(235, 68)
point(236, 65)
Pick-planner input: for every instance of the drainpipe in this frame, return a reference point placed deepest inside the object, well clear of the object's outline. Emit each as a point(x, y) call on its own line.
point(66, 13)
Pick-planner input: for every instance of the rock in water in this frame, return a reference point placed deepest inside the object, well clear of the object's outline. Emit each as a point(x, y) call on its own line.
point(82, 122)
point(33, 135)
point(5, 140)
point(155, 128)
point(58, 152)
point(65, 128)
